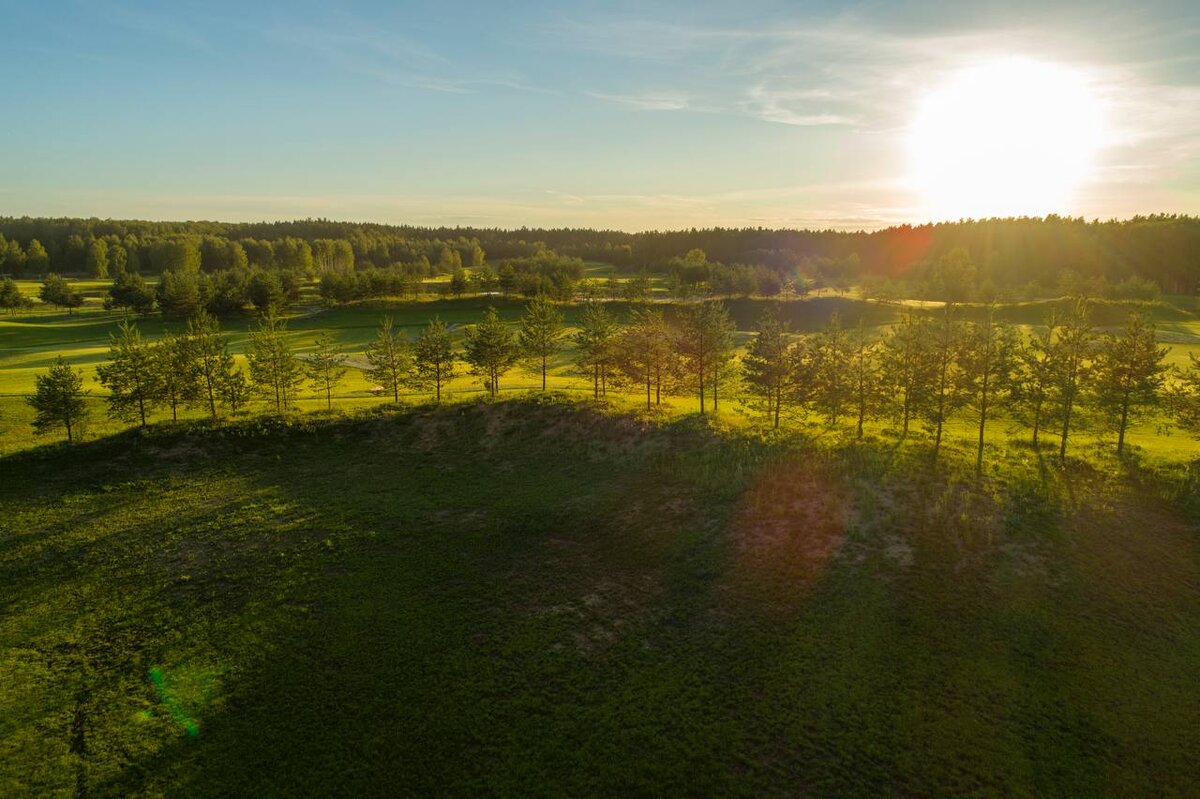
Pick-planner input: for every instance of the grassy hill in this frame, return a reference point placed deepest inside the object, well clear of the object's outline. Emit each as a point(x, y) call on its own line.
point(534, 598)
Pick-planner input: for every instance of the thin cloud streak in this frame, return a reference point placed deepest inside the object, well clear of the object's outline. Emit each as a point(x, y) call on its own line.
point(390, 57)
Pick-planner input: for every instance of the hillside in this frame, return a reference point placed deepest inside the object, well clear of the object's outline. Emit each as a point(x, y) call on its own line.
point(533, 598)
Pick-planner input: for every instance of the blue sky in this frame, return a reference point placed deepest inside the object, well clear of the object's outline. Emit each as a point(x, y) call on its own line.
point(629, 115)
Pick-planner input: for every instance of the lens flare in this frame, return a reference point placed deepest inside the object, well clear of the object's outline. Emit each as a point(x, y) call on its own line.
point(1006, 138)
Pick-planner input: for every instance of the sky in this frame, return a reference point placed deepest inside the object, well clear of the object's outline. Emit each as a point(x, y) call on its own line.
point(621, 115)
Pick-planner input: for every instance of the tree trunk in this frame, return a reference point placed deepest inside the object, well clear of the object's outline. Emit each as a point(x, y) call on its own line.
point(212, 400)
point(862, 414)
point(1123, 425)
point(1066, 430)
point(941, 413)
point(543, 374)
point(983, 406)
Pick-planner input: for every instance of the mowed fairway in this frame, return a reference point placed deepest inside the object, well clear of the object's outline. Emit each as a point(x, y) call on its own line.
point(536, 598)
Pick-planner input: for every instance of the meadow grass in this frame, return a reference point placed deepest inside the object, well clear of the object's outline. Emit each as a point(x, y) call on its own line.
point(542, 597)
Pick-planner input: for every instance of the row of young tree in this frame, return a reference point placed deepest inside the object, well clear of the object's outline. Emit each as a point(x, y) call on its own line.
point(928, 367)
point(922, 370)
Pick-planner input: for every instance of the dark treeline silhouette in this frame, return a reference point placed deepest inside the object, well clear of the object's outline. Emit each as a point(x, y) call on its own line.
point(1007, 254)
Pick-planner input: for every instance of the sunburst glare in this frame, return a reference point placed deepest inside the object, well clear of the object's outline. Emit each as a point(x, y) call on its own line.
point(1007, 137)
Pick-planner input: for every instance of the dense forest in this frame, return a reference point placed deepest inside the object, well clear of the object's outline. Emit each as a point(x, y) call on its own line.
point(1009, 254)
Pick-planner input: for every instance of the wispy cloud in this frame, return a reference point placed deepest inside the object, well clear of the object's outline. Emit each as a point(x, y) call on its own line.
point(849, 71)
point(159, 26)
point(645, 102)
point(392, 57)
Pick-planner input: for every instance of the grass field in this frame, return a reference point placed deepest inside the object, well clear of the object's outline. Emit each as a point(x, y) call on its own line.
point(540, 598)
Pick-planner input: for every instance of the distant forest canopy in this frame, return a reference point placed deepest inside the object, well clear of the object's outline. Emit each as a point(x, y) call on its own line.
point(1007, 253)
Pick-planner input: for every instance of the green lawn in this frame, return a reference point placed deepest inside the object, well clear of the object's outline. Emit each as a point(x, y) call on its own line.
point(538, 598)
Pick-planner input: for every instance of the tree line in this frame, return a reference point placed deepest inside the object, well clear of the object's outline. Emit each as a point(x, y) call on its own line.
point(1011, 253)
point(922, 370)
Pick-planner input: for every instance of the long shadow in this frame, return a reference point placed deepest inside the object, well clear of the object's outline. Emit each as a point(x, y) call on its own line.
point(533, 598)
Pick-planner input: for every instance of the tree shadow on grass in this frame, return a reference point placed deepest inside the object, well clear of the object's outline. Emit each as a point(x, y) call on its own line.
point(490, 649)
point(532, 598)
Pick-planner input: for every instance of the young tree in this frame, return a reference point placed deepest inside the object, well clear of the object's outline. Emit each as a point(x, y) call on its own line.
point(390, 358)
point(175, 372)
point(1075, 346)
point(326, 367)
point(178, 294)
point(768, 364)
point(274, 368)
point(265, 291)
point(235, 390)
point(11, 298)
point(644, 352)
point(1128, 373)
point(1034, 375)
point(725, 370)
point(865, 384)
point(596, 346)
point(433, 357)
point(130, 376)
point(491, 350)
point(130, 290)
point(637, 288)
point(988, 369)
point(458, 283)
point(1183, 398)
point(827, 353)
point(943, 346)
point(908, 371)
point(212, 362)
point(541, 332)
point(57, 291)
point(58, 400)
point(704, 342)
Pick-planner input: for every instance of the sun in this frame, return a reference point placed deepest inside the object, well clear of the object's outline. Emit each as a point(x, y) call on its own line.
point(1010, 137)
